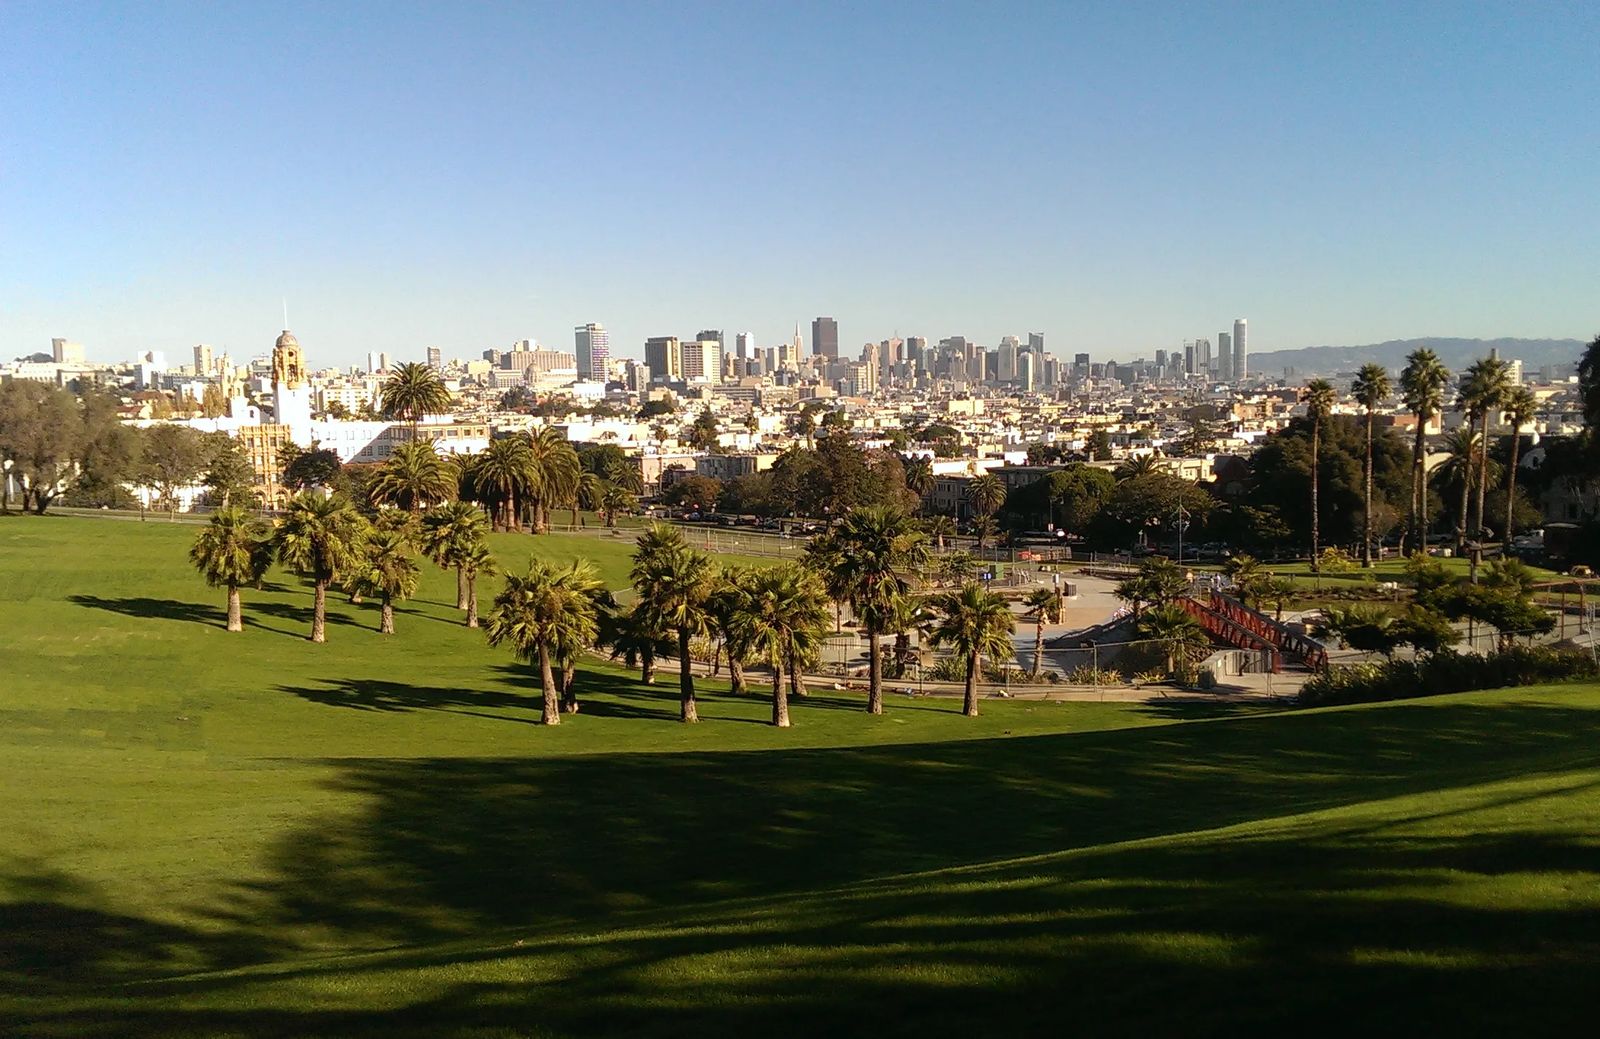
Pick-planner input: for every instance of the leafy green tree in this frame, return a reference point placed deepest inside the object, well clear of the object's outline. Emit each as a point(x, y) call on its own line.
point(231, 551)
point(1360, 627)
point(919, 477)
point(703, 431)
point(975, 624)
point(1370, 388)
point(229, 476)
point(939, 528)
point(172, 457)
point(534, 613)
point(321, 537)
point(674, 584)
point(1425, 630)
point(1422, 386)
point(1319, 404)
point(615, 498)
point(582, 581)
point(387, 570)
point(1589, 382)
point(636, 640)
point(1098, 446)
point(414, 477)
point(878, 546)
point(40, 435)
point(304, 469)
point(730, 606)
point(695, 491)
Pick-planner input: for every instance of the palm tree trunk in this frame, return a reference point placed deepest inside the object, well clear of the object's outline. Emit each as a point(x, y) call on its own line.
point(647, 668)
point(386, 616)
point(1511, 489)
point(1316, 529)
point(780, 697)
point(319, 611)
point(1366, 510)
point(736, 675)
point(875, 666)
point(686, 707)
point(472, 602)
point(547, 680)
point(969, 705)
point(1466, 498)
point(1419, 491)
point(569, 687)
point(235, 620)
point(1483, 471)
point(461, 589)
point(797, 682)
point(1038, 646)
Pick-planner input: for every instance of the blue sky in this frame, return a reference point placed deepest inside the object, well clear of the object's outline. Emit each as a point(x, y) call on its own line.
point(1121, 176)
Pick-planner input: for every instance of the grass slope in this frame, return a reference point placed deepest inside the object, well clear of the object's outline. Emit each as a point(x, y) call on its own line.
point(249, 835)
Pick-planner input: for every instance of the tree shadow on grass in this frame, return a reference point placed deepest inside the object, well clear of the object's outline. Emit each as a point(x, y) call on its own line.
point(147, 608)
point(379, 695)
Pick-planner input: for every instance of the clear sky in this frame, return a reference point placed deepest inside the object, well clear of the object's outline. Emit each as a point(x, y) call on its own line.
point(1120, 176)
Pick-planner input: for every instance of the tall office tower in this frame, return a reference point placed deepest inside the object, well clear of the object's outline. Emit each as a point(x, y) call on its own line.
point(744, 346)
point(377, 362)
point(709, 333)
point(824, 337)
point(1080, 366)
point(491, 355)
point(1006, 363)
point(1036, 344)
point(1225, 356)
point(1241, 349)
point(1161, 358)
point(435, 358)
point(1028, 371)
point(1202, 352)
point(1188, 359)
point(593, 347)
point(1514, 371)
point(64, 351)
point(701, 360)
point(202, 359)
point(663, 355)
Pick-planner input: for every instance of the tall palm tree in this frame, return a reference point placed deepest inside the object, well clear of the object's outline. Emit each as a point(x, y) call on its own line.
point(1041, 607)
point(1422, 386)
point(878, 546)
point(1318, 396)
point(825, 556)
point(1458, 470)
point(730, 603)
point(1483, 387)
point(588, 492)
point(386, 570)
point(939, 527)
point(986, 495)
point(1138, 465)
point(581, 580)
point(674, 583)
point(413, 391)
point(1370, 388)
point(501, 476)
point(615, 498)
point(232, 550)
point(975, 624)
point(1249, 578)
point(414, 477)
point(321, 537)
point(637, 642)
point(919, 478)
point(553, 474)
point(448, 533)
point(1520, 405)
point(476, 561)
point(784, 620)
point(534, 614)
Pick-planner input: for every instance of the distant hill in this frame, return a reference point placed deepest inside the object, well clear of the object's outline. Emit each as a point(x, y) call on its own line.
point(1455, 353)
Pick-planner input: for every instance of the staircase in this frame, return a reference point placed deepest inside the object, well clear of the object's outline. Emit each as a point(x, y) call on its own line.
point(1221, 627)
point(1307, 651)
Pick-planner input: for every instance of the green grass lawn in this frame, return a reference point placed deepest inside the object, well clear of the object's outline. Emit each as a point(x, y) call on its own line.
point(214, 834)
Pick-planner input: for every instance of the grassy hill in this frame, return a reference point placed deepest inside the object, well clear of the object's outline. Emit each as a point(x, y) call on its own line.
point(250, 835)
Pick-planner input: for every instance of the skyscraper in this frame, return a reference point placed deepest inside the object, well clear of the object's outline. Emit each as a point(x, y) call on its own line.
point(202, 359)
point(1225, 356)
point(1006, 363)
point(64, 351)
point(825, 337)
point(435, 358)
point(1036, 344)
point(663, 355)
point(1241, 349)
point(593, 350)
point(744, 346)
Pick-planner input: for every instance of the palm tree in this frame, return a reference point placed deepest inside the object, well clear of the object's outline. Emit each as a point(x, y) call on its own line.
point(974, 623)
point(232, 550)
point(1158, 582)
point(1319, 404)
point(500, 476)
point(413, 391)
point(615, 498)
point(1422, 386)
point(674, 583)
point(553, 474)
point(919, 477)
point(939, 527)
point(1277, 592)
point(535, 614)
point(1520, 405)
point(784, 619)
point(1483, 387)
point(1370, 388)
point(448, 534)
point(825, 556)
point(387, 571)
point(588, 492)
point(1041, 604)
point(729, 605)
point(1460, 468)
point(1249, 578)
point(414, 477)
point(476, 561)
point(986, 495)
point(323, 537)
point(1138, 465)
point(637, 642)
point(582, 581)
point(877, 546)
point(1174, 627)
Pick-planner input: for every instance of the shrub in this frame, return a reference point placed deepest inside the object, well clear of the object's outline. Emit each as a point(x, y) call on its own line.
point(1083, 674)
point(1447, 672)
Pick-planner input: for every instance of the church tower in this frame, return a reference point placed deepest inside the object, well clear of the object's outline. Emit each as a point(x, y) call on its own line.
point(291, 393)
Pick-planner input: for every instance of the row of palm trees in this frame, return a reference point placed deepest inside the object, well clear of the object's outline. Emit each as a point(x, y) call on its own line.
point(1484, 391)
point(328, 540)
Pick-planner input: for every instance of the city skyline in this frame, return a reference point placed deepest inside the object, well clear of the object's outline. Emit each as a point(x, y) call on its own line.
point(1360, 174)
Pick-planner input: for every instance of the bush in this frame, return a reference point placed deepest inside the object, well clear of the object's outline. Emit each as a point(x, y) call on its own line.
point(1447, 672)
point(1083, 674)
